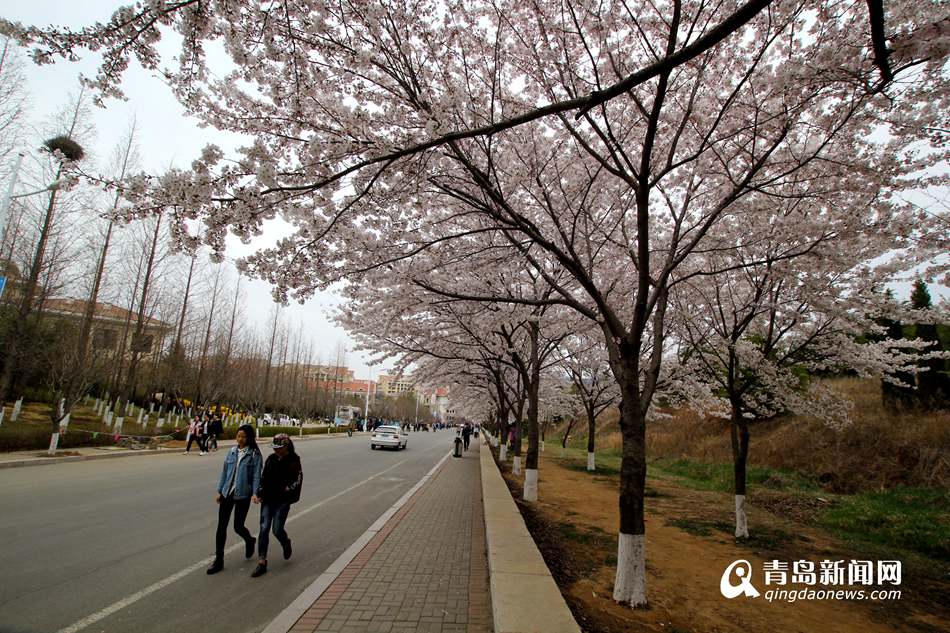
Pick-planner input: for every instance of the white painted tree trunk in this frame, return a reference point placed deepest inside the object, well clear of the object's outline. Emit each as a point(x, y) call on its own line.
point(630, 585)
point(53, 443)
point(590, 462)
point(145, 422)
point(516, 466)
point(542, 446)
point(151, 407)
point(16, 410)
point(2, 413)
point(139, 421)
point(530, 484)
point(742, 524)
point(118, 424)
point(503, 452)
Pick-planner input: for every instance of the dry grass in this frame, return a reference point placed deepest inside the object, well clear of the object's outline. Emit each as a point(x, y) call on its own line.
point(880, 450)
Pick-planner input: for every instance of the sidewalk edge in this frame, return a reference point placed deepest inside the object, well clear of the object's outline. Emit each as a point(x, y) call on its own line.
point(525, 598)
point(286, 619)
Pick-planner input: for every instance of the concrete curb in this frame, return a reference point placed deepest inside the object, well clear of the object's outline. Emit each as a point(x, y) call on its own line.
point(44, 461)
point(525, 598)
point(286, 619)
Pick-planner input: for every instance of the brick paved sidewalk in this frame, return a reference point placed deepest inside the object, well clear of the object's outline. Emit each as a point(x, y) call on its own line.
point(426, 570)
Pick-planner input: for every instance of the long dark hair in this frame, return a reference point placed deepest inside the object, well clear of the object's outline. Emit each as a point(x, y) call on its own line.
point(250, 435)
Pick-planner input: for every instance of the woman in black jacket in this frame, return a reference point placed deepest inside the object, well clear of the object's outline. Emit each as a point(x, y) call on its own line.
point(280, 486)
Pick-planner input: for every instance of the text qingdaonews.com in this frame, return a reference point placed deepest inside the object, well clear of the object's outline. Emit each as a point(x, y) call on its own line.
point(794, 595)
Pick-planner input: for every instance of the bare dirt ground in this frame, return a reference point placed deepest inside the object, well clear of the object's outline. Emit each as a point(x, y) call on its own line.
point(689, 545)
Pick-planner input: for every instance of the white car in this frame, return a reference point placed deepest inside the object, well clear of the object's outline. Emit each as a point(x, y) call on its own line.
point(388, 436)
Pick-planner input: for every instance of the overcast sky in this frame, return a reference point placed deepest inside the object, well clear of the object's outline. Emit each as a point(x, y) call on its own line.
point(167, 136)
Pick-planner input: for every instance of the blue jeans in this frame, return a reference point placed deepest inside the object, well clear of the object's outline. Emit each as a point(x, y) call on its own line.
point(273, 516)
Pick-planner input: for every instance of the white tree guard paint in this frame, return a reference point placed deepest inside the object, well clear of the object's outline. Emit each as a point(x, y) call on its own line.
point(530, 484)
point(2, 413)
point(590, 461)
point(118, 424)
point(53, 443)
point(742, 524)
point(630, 585)
point(516, 466)
point(503, 453)
point(542, 446)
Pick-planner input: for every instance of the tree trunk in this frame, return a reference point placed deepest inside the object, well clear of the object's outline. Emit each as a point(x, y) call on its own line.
point(740, 454)
point(630, 582)
point(516, 444)
point(567, 433)
point(530, 492)
point(129, 389)
point(591, 427)
point(20, 325)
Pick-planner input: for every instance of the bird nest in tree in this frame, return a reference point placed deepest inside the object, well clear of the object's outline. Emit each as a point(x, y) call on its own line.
point(69, 148)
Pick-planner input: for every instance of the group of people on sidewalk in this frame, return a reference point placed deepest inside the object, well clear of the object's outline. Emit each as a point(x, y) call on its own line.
point(247, 478)
point(205, 429)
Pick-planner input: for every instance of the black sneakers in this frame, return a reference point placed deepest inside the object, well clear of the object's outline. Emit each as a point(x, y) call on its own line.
point(216, 566)
point(249, 547)
point(260, 570)
point(287, 550)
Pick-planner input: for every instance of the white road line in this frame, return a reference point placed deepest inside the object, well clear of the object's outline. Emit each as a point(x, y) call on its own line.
point(161, 584)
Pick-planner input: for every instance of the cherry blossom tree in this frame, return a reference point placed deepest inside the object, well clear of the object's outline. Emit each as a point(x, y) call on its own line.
point(584, 358)
point(384, 132)
point(760, 334)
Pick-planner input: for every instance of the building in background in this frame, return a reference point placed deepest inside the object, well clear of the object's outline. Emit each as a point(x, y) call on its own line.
point(110, 325)
point(395, 386)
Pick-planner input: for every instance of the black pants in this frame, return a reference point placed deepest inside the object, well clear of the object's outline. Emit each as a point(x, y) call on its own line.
point(196, 438)
point(212, 439)
point(240, 507)
point(465, 441)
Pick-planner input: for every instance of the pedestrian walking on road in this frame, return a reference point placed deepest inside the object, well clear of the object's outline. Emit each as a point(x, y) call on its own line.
point(194, 434)
point(215, 429)
point(281, 483)
point(237, 488)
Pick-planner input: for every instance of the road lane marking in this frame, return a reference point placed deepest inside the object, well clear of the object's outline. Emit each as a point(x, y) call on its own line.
point(161, 584)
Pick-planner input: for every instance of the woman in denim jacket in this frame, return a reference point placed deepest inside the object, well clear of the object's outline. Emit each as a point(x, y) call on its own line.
point(237, 487)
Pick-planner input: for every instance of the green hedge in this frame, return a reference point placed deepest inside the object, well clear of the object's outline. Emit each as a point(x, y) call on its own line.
point(292, 431)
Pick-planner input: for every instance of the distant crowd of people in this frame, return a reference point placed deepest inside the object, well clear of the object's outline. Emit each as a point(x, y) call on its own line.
point(205, 429)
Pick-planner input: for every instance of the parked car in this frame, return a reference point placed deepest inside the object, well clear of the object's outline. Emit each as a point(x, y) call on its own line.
point(388, 436)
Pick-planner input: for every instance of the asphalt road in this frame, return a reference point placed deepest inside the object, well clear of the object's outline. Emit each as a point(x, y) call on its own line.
point(122, 544)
